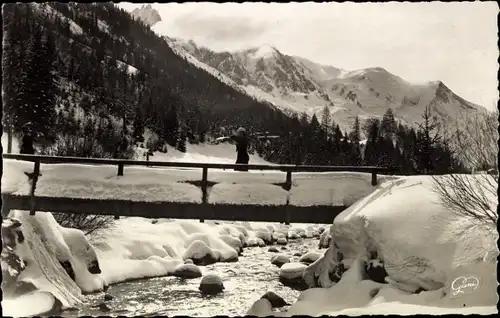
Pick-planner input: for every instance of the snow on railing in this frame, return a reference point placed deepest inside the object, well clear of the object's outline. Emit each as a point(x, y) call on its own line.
point(121, 163)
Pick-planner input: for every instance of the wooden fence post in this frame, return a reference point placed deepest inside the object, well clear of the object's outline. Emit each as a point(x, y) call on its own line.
point(120, 169)
point(288, 187)
point(36, 173)
point(288, 183)
point(374, 178)
point(204, 185)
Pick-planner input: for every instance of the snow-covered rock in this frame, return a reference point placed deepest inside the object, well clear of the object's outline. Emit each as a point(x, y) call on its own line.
point(282, 241)
point(324, 239)
point(264, 306)
point(275, 300)
point(310, 257)
point(200, 253)
point(280, 259)
point(273, 249)
point(291, 275)
point(233, 242)
point(211, 284)
point(266, 236)
point(261, 308)
point(187, 271)
point(220, 249)
point(255, 241)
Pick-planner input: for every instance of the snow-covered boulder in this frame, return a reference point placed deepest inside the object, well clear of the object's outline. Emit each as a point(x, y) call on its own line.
point(232, 241)
point(310, 257)
point(261, 308)
point(41, 247)
point(234, 232)
point(300, 232)
point(264, 306)
point(324, 239)
point(402, 238)
point(12, 265)
point(280, 259)
point(200, 253)
point(275, 300)
point(211, 284)
point(273, 249)
point(223, 251)
point(279, 233)
point(291, 275)
point(255, 241)
point(84, 260)
point(282, 241)
point(187, 271)
point(266, 236)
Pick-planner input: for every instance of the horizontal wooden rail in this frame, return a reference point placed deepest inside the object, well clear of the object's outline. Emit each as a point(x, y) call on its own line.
point(100, 161)
point(286, 213)
point(176, 210)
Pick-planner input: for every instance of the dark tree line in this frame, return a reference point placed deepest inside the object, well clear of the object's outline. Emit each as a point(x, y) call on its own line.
point(387, 144)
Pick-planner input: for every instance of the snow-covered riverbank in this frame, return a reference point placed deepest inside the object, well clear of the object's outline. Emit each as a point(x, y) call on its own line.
point(399, 251)
point(134, 248)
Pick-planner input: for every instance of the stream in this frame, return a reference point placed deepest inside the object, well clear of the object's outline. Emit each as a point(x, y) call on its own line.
point(245, 281)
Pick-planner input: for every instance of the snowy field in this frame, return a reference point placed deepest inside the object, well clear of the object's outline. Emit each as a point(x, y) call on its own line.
point(172, 185)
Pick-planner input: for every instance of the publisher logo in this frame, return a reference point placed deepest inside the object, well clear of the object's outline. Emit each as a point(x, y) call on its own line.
point(464, 285)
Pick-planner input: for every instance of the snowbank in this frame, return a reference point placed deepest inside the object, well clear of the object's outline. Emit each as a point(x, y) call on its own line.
point(15, 143)
point(175, 185)
point(42, 247)
point(354, 295)
point(435, 261)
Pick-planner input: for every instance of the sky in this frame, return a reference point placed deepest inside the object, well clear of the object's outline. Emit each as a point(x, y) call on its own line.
point(455, 43)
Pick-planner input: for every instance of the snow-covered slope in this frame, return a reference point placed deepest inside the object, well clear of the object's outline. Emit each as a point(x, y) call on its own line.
point(296, 84)
point(305, 86)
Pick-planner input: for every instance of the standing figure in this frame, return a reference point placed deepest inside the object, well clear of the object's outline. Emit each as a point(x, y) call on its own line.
point(241, 140)
point(27, 141)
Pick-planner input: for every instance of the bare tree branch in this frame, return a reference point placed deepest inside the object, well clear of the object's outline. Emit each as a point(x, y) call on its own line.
point(475, 141)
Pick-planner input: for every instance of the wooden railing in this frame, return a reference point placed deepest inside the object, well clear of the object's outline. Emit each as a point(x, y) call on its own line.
point(15, 203)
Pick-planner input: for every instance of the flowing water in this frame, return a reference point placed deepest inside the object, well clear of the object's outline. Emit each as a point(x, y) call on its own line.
point(245, 281)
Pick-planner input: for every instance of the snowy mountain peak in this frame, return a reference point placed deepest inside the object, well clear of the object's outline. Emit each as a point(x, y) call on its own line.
point(147, 14)
point(263, 52)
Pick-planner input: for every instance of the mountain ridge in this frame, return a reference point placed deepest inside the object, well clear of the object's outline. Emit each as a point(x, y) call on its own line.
point(301, 85)
point(296, 84)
